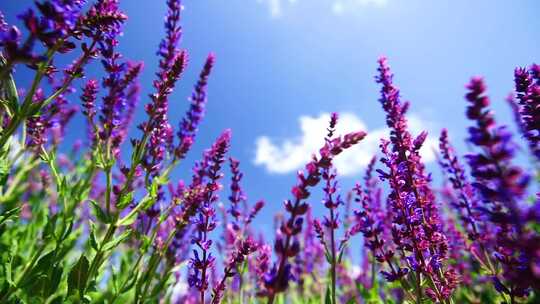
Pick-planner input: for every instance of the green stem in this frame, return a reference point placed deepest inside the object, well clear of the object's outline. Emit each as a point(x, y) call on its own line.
point(21, 115)
point(334, 261)
point(26, 269)
point(96, 261)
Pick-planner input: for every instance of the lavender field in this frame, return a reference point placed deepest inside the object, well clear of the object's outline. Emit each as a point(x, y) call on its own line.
point(116, 188)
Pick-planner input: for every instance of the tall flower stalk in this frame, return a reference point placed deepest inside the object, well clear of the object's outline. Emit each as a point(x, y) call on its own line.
point(286, 244)
point(417, 230)
point(500, 184)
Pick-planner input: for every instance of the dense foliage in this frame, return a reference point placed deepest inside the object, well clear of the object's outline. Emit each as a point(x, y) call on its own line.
point(87, 225)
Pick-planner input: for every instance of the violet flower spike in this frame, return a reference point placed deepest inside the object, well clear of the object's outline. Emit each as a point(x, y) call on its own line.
point(467, 204)
point(527, 87)
point(237, 195)
point(500, 184)
point(200, 265)
point(189, 124)
point(278, 278)
point(417, 224)
point(241, 253)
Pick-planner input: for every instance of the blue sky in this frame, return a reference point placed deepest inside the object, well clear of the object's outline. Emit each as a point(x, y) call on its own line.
point(280, 62)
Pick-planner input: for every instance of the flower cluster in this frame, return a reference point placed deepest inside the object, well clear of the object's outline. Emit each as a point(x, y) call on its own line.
point(527, 87)
point(417, 230)
point(502, 185)
point(286, 244)
point(209, 169)
point(189, 124)
point(466, 204)
point(239, 256)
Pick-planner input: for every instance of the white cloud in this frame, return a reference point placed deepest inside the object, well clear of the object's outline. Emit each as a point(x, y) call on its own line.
point(338, 7)
point(291, 154)
point(342, 6)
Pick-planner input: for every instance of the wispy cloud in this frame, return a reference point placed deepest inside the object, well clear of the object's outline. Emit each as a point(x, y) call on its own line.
point(290, 154)
point(338, 7)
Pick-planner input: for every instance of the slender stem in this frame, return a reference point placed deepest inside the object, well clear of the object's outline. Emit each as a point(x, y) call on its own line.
point(18, 178)
point(334, 261)
point(373, 270)
point(282, 257)
point(108, 174)
point(203, 272)
point(96, 261)
point(21, 115)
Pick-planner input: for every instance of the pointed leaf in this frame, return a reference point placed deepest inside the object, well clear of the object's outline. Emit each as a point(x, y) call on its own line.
point(99, 213)
point(115, 242)
point(9, 214)
point(93, 240)
point(125, 200)
point(78, 276)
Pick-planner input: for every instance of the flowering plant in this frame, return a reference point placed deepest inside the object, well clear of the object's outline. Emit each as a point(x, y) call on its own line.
point(101, 221)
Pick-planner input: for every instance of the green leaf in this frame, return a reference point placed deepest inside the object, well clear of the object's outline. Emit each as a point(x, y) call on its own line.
point(327, 297)
point(125, 200)
point(12, 213)
point(128, 219)
point(130, 283)
point(115, 242)
point(8, 268)
point(50, 227)
point(93, 240)
point(341, 252)
point(99, 213)
point(78, 276)
point(42, 266)
point(4, 168)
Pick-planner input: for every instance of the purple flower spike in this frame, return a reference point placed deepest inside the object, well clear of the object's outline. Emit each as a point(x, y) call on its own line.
point(501, 185)
point(36, 132)
point(286, 245)
point(237, 195)
point(528, 95)
point(189, 124)
point(416, 231)
point(497, 179)
point(241, 253)
point(208, 171)
point(466, 204)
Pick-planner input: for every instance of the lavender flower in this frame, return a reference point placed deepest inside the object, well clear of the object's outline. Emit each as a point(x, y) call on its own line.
point(528, 95)
point(120, 77)
point(161, 133)
point(277, 279)
point(500, 183)
point(205, 223)
point(370, 222)
point(189, 124)
point(466, 204)
point(36, 132)
point(417, 228)
point(331, 222)
point(497, 180)
point(171, 66)
point(243, 250)
point(168, 45)
point(237, 195)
